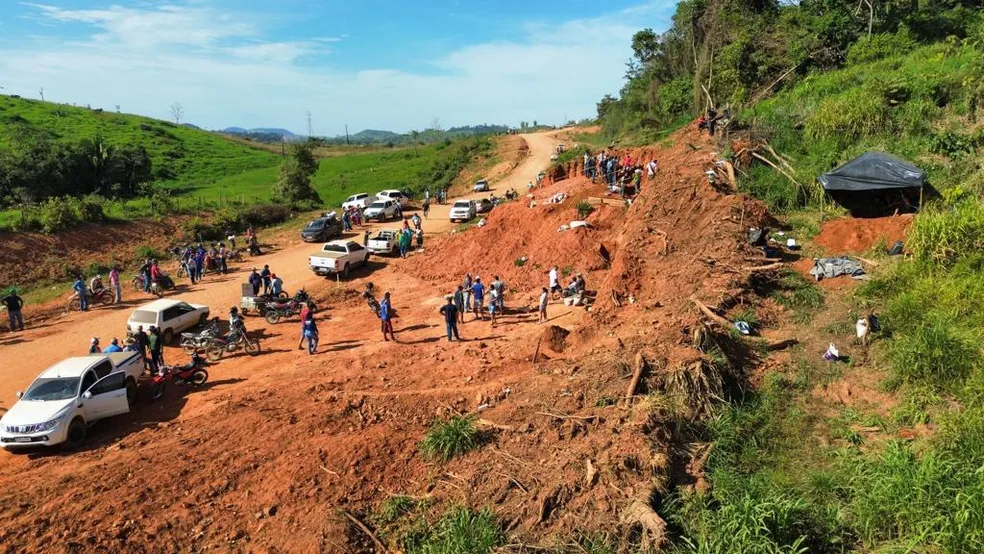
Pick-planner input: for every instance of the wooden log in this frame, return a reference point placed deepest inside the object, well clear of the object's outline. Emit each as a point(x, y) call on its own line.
point(536, 351)
point(362, 526)
point(707, 311)
point(770, 267)
point(640, 366)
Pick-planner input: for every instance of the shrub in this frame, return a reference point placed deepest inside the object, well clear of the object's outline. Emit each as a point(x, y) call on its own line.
point(91, 208)
point(852, 115)
point(144, 252)
point(945, 235)
point(58, 214)
point(937, 354)
point(459, 531)
point(265, 215)
point(584, 209)
point(447, 439)
point(882, 45)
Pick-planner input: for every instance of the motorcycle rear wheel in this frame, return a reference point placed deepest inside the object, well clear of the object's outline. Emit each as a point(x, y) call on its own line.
point(74, 305)
point(106, 299)
point(273, 317)
point(188, 347)
point(252, 347)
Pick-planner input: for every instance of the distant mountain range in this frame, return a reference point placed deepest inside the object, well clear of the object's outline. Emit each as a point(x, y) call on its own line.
point(369, 136)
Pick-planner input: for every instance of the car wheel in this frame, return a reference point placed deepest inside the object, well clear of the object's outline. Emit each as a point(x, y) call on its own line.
point(131, 393)
point(76, 434)
point(346, 271)
point(168, 336)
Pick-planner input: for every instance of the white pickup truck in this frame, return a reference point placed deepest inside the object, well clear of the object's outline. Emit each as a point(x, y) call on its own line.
point(339, 257)
point(385, 242)
point(70, 396)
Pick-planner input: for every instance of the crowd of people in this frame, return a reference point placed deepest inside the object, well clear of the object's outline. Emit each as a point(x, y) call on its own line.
point(622, 175)
point(149, 343)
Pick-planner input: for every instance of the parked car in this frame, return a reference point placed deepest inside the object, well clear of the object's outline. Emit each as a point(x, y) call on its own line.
point(382, 210)
point(481, 186)
point(359, 201)
point(394, 195)
point(483, 205)
point(385, 242)
point(462, 210)
point(339, 257)
point(322, 229)
point(169, 315)
point(70, 396)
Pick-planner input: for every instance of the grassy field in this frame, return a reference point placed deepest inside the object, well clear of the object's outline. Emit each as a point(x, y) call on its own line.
point(205, 170)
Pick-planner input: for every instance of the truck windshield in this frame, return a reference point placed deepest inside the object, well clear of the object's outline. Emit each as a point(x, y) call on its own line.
point(378, 205)
point(334, 248)
point(316, 224)
point(57, 388)
point(462, 204)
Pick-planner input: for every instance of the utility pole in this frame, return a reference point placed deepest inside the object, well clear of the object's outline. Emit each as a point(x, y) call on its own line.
point(42, 94)
point(310, 127)
point(346, 135)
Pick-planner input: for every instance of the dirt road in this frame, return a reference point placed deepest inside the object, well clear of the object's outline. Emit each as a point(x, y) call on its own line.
point(27, 354)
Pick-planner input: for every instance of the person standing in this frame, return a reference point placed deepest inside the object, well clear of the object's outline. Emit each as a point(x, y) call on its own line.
point(15, 305)
point(493, 303)
point(651, 168)
point(468, 291)
point(426, 207)
point(221, 259)
point(554, 281)
point(265, 275)
point(420, 239)
point(94, 346)
point(365, 239)
point(145, 271)
point(114, 283)
point(416, 221)
point(142, 341)
point(450, 313)
point(500, 288)
point(255, 281)
point(405, 235)
point(386, 317)
point(79, 288)
point(478, 291)
point(309, 331)
point(459, 303)
point(114, 346)
point(276, 285)
point(156, 343)
point(544, 297)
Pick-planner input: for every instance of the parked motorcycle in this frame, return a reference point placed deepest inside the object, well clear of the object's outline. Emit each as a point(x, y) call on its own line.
point(193, 373)
point(218, 346)
point(198, 342)
point(104, 297)
point(157, 288)
point(276, 311)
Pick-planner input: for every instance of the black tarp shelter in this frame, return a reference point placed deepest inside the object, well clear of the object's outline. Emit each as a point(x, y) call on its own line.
point(875, 184)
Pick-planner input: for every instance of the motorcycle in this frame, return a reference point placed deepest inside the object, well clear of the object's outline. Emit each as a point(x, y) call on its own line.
point(198, 342)
point(218, 346)
point(192, 373)
point(157, 288)
point(103, 296)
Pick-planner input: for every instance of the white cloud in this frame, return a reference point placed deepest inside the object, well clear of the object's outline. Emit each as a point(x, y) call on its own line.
point(219, 67)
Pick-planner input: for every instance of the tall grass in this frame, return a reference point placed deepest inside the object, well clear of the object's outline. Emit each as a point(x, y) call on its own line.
point(448, 439)
point(459, 531)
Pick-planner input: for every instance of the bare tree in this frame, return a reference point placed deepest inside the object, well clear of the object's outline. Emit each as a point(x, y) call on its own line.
point(177, 112)
point(871, 13)
point(436, 124)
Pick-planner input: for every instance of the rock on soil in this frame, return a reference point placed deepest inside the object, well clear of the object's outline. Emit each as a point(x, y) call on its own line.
point(555, 338)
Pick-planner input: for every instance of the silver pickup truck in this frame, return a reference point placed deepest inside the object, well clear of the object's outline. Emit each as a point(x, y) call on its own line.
point(384, 243)
point(339, 257)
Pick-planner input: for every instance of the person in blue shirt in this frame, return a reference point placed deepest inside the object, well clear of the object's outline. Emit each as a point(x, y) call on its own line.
point(310, 331)
point(79, 288)
point(114, 346)
point(478, 297)
point(386, 317)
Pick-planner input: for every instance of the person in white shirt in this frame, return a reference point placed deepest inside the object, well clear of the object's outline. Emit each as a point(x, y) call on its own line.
point(651, 168)
point(554, 281)
point(544, 297)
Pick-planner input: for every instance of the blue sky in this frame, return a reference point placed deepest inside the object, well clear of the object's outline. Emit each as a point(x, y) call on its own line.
point(395, 65)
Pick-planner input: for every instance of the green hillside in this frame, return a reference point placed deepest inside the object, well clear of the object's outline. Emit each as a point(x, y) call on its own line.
point(182, 158)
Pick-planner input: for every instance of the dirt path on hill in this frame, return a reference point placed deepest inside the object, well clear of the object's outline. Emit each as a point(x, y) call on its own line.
point(26, 354)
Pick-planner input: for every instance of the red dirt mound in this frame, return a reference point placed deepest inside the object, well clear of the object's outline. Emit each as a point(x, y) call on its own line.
point(555, 338)
point(855, 236)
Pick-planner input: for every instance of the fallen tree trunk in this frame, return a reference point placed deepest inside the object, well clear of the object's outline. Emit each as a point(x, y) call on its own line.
point(770, 267)
point(707, 311)
point(640, 366)
point(653, 527)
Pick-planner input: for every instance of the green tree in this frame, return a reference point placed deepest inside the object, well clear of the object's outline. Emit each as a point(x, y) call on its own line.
point(294, 184)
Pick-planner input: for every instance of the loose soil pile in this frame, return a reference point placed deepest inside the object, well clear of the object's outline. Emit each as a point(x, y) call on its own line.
point(856, 235)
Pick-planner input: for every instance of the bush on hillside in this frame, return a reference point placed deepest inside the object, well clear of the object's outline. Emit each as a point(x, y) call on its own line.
point(852, 115)
point(58, 214)
point(91, 208)
point(878, 46)
point(945, 235)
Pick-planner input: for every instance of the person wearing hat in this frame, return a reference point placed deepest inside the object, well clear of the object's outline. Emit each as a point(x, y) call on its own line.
point(131, 345)
point(114, 346)
point(94, 346)
point(450, 313)
point(478, 293)
point(265, 275)
point(156, 344)
point(14, 304)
